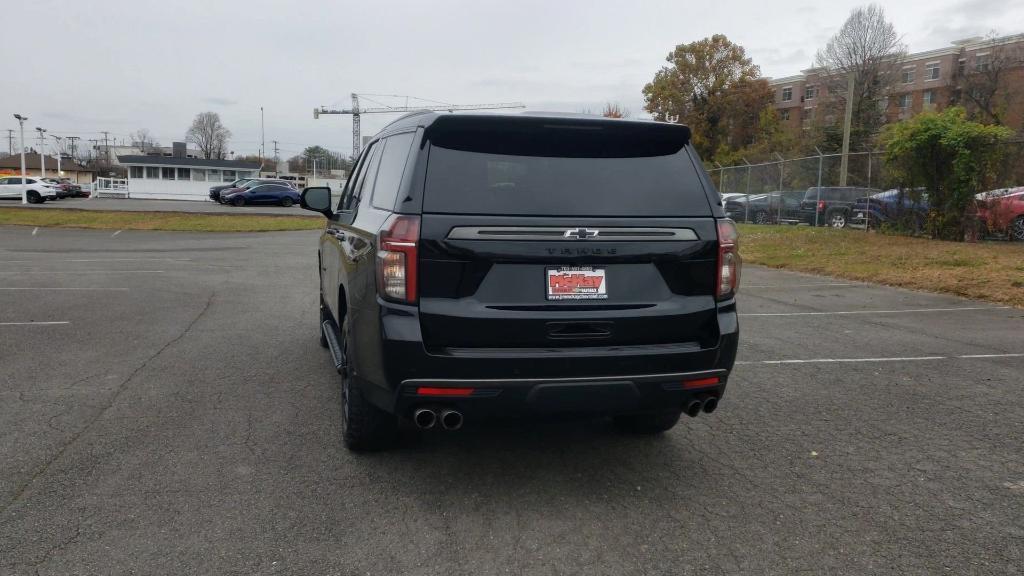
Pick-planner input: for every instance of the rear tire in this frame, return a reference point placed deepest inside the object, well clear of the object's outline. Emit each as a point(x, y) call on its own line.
point(1016, 232)
point(287, 202)
point(648, 423)
point(364, 427)
point(34, 197)
point(238, 201)
point(836, 219)
point(761, 217)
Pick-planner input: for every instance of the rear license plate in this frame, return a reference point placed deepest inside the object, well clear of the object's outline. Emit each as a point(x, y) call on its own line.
point(576, 283)
point(860, 214)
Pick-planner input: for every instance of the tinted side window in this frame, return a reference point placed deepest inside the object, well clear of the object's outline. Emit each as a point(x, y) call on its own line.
point(368, 178)
point(355, 179)
point(392, 166)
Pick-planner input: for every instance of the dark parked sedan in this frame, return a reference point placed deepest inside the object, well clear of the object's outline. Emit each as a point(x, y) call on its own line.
point(277, 194)
point(215, 191)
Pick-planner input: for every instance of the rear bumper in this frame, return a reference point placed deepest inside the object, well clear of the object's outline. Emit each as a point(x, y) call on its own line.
point(628, 394)
point(506, 382)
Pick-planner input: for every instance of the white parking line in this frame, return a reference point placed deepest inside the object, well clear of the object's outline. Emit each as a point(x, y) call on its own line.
point(51, 288)
point(833, 360)
point(44, 260)
point(891, 359)
point(32, 323)
point(798, 285)
point(842, 312)
point(34, 230)
point(81, 271)
point(116, 233)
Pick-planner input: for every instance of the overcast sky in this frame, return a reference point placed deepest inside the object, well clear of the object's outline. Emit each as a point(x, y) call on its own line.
point(77, 68)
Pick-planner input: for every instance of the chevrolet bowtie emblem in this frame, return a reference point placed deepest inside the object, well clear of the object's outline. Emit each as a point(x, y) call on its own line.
point(580, 233)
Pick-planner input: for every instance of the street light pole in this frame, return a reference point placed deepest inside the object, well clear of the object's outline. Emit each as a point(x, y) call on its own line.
point(42, 154)
point(59, 144)
point(24, 188)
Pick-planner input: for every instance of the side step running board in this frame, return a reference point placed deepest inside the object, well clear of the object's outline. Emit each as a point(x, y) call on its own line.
point(337, 356)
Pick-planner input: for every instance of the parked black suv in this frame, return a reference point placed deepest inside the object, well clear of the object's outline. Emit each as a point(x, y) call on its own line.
point(832, 205)
point(491, 265)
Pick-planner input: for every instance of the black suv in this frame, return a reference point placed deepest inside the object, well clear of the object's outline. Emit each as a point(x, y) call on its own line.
point(491, 265)
point(831, 205)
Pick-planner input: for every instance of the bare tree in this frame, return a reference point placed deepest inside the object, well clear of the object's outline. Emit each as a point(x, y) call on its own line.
point(209, 134)
point(144, 139)
point(981, 86)
point(614, 110)
point(868, 47)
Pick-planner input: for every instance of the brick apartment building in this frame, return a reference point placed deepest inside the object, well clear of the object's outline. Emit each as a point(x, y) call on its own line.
point(927, 81)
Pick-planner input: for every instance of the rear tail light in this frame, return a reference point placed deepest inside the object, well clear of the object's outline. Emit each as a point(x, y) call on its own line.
point(821, 205)
point(728, 281)
point(396, 258)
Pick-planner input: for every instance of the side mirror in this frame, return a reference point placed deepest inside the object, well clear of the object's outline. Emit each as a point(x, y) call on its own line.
point(317, 199)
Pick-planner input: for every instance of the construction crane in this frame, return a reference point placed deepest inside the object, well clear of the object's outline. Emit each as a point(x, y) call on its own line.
point(356, 111)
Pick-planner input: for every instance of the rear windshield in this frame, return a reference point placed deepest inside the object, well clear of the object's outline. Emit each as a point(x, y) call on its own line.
point(558, 170)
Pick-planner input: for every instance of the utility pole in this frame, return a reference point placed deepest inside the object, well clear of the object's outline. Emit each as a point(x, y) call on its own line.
point(276, 160)
point(10, 142)
point(106, 147)
point(847, 120)
point(42, 151)
point(263, 138)
point(24, 189)
point(73, 146)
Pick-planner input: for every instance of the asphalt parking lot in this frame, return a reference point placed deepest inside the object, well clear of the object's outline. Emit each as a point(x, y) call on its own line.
point(137, 205)
point(166, 409)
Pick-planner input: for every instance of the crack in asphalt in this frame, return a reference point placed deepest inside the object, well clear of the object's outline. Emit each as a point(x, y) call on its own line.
point(20, 492)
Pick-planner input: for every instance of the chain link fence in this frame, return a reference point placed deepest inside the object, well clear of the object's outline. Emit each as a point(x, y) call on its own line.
point(809, 190)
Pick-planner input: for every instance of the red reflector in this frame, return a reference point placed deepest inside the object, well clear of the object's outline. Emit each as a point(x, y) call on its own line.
point(702, 383)
point(426, 391)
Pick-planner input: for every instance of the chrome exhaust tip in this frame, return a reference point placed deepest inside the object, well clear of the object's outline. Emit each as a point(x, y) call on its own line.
point(451, 420)
point(424, 418)
point(710, 404)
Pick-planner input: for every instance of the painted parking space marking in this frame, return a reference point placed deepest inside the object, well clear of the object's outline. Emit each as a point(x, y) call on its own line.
point(881, 359)
point(32, 323)
point(814, 285)
point(81, 271)
point(77, 288)
point(846, 312)
point(35, 230)
point(116, 233)
point(44, 260)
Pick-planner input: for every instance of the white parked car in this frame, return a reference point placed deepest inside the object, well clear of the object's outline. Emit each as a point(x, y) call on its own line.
point(38, 190)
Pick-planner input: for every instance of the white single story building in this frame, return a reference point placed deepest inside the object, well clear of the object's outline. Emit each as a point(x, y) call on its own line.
point(180, 178)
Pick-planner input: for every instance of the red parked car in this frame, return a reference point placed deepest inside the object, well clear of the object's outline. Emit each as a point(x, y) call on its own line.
point(1003, 211)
